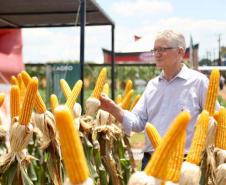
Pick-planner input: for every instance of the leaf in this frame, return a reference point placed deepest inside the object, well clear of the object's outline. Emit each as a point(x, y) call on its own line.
point(10, 174)
point(25, 178)
point(31, 172)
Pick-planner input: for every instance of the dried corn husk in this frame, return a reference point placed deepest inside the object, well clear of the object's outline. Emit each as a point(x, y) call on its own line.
point(2, 132)
point(19, 138)
point(49, 143)
point(77, 110)
point(190, 174)
point(140, 178)
point(210, 141)
point(46, 123)
point(92, 105)
point(221, 174)
point(102, 117)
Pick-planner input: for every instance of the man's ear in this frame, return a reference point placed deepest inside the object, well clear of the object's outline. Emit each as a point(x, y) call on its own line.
point(181, 51)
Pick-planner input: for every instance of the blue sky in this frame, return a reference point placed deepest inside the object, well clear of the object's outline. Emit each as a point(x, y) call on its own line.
point(203, 20)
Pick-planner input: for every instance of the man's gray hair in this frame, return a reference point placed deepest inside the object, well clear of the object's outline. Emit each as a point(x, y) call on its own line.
point(175, 38)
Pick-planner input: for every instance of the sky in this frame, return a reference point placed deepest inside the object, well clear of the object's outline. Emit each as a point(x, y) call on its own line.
point(203, 20)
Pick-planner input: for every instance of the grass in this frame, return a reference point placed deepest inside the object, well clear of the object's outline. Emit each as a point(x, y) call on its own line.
point(137, 140)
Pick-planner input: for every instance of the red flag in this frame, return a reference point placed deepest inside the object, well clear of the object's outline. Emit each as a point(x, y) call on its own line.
point(136, 38)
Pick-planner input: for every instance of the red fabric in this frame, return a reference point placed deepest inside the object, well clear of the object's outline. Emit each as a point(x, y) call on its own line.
point(11, 62)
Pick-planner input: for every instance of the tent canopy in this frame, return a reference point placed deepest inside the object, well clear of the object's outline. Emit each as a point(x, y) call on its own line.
point(49, 13)
point(56, 13)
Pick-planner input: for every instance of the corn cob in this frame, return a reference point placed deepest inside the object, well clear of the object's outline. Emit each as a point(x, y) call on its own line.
point(65, 88)
point(25, 77)
point(39, 104)
point(128, 87)
point(19, 80)
point(13, 81)
point(53, 102)
point(212, 92)
point(126, 101)
point(26, 111)
point(22, 87)
point(72, 150)
point(2, 98)
point(106, 89)
point(93, 102)
point(172, 172)
point(118, 99)
point(136, 99)
point(221, 130)
point(100, 83)
point(199, 138)
point(156, 165)
point(74, 94)
point(14, 101)
point(153, 135)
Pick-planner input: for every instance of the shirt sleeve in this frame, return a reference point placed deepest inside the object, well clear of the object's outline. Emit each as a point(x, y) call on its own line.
point(136, 120)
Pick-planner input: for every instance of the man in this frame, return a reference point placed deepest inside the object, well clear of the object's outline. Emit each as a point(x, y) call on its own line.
point(176, 89)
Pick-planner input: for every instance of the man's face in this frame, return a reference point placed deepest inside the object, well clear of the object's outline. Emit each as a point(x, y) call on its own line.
point(166, 55)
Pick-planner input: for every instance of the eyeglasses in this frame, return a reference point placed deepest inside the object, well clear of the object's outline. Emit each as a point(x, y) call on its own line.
point(161, 50)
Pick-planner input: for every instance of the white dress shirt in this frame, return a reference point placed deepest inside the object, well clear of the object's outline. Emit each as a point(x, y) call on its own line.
point(163, 100)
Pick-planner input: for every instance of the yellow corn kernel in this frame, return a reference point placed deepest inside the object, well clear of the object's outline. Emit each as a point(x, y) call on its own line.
point(13, 81)
point(22, 87)
point(19, 80)
point(14, 101)
point(153, 135)
point(106, 89)
point(118, 99)
point(100, 83)
point(39, 104)
point(161, 157)
point(25, 77)
point(65, 88)
point(53, 102)
point(128, 87)
point(2, 98)
point(26, 110)
point(173, 169)
point(74, 94)
point(71, 146)
point(212, 92)
point(136, 99)
point(126, 101)
point(199, 139)
point(221, 130)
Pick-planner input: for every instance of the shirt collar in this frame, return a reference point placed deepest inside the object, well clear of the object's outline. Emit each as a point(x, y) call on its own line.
point(184, 73)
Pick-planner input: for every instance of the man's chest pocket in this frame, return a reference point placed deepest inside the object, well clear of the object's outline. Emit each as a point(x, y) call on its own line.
point(190, 107)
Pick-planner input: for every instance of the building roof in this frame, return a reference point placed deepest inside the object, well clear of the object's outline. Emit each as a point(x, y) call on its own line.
point(49, 13)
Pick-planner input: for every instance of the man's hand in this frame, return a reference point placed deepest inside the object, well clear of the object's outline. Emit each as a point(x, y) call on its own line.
point(110, 106)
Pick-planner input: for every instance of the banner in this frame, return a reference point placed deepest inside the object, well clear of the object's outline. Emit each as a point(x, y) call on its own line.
point(11, 62)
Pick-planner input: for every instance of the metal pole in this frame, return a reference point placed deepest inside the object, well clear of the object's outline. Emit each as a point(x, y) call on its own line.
point(219, 52)
point(82, 13)
point(113, 62)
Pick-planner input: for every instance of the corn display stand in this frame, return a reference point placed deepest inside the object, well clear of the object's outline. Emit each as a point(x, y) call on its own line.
point(61, 146)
